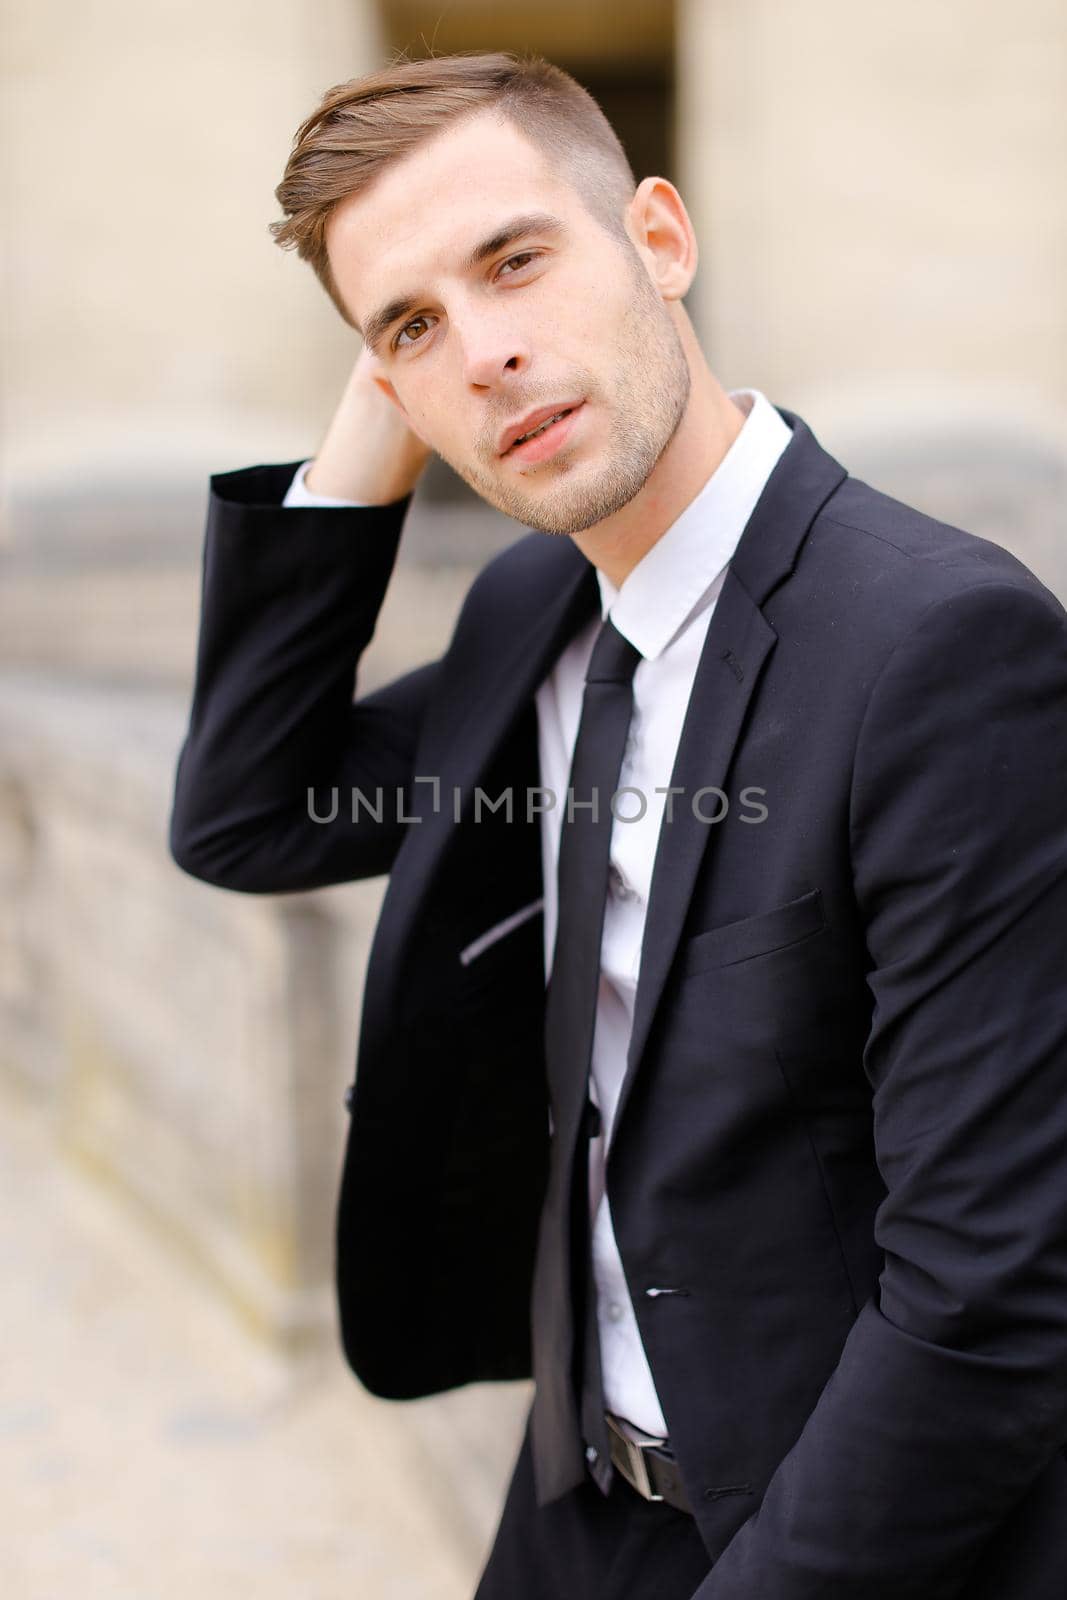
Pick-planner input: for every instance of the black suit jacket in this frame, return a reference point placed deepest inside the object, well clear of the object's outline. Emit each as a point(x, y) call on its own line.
point(842, 1138)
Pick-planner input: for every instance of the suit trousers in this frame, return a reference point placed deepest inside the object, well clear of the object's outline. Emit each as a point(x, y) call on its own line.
point(588, 1546)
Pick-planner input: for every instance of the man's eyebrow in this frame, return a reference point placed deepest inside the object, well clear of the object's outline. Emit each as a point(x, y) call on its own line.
point(380, 321)
point(508, 232)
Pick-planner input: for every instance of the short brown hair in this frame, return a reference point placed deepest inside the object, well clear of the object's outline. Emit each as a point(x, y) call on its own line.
point(365, 125)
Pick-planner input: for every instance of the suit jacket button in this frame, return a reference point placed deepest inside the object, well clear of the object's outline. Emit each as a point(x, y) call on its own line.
point(350, 1095)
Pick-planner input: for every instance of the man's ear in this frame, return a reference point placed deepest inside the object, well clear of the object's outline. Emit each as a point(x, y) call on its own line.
point(662, 233)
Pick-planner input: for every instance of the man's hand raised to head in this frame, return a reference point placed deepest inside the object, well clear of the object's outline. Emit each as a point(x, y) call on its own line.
point(370, 452)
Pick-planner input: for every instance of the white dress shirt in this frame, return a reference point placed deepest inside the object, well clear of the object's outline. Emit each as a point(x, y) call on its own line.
point(663, 607)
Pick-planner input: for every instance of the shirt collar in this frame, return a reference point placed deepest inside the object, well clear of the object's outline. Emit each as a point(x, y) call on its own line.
point(683, 571)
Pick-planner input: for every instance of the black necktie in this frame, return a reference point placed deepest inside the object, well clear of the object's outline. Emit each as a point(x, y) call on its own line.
point(567, 1425)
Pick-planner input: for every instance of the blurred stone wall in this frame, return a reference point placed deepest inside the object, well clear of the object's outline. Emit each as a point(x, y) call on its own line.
point(151, 324)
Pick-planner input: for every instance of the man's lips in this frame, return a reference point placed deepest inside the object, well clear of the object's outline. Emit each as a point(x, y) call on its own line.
point(532, 419)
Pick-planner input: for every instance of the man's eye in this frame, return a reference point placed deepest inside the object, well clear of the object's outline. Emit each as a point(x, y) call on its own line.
point(414, 323)
point(524, 256)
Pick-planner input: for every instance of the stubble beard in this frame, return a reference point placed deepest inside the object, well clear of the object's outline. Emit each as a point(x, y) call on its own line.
point(650, 393)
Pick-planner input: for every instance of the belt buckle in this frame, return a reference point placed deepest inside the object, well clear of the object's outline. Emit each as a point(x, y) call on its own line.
point(627, 1454)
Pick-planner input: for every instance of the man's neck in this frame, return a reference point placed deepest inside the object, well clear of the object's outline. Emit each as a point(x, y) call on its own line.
point(707, 430)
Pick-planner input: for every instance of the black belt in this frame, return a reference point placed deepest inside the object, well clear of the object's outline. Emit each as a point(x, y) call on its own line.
point(647, 1465)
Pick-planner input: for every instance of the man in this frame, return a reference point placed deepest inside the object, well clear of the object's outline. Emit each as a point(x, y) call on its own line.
point(768, 1187)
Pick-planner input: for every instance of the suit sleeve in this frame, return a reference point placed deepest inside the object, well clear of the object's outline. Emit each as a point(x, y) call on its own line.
point(950, 1395)
point(283, 783)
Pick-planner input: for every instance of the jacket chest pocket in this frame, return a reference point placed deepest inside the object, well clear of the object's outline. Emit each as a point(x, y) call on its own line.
point(778, 980)
point(746, 940)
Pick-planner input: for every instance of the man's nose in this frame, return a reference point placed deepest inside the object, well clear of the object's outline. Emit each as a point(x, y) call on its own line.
point(490, 352)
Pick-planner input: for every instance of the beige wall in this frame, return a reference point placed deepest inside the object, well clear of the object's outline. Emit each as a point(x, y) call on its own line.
point(880, 192)
point(150, 321)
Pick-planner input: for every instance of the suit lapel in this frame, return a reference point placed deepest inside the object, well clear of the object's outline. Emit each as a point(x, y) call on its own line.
point(738, 644)
point(487, 685)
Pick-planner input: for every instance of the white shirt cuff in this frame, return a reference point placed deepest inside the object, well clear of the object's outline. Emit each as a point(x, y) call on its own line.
point(299, 495)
